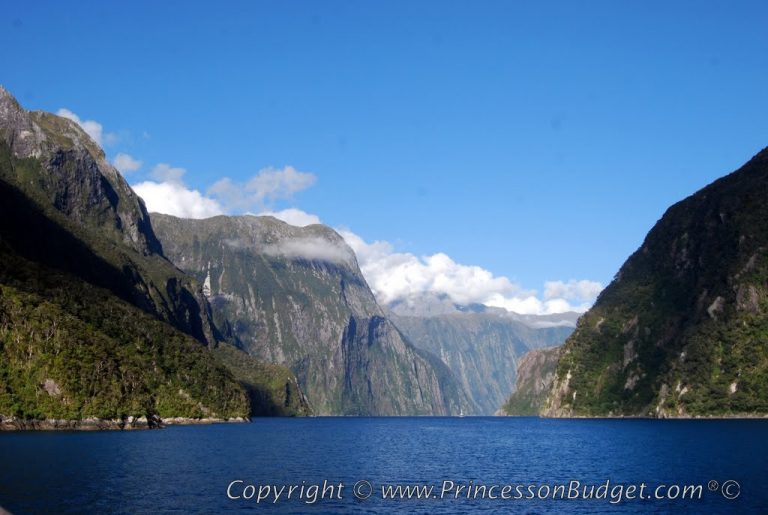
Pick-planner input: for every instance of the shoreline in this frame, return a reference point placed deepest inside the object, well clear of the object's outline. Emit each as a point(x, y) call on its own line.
point(648, 417)
point(101, 424)
point(10, 424)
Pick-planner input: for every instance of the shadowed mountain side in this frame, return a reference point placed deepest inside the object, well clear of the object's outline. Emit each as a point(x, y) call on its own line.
point(59, 169)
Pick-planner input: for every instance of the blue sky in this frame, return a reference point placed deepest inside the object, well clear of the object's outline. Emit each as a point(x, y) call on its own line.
point(537, 140)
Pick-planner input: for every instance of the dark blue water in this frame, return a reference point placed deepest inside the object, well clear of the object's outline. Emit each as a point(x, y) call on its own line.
point(188, 469)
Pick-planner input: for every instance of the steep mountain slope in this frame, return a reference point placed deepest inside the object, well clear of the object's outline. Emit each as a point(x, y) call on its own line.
point(296, 296)
point(94, 321)
point(683, 328)
point(51, 161)
point(535, 374)
point(482, 349)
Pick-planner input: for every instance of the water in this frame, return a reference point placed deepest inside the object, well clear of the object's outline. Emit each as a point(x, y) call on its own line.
point(188, 469)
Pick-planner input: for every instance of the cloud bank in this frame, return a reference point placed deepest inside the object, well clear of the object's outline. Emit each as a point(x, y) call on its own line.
point(315, 248)
point(397, 276)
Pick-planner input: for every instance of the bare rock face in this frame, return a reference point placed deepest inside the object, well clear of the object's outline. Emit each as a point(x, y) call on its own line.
point(681, 331)
point(84, 199)
point(535, 375)
point(295, 296)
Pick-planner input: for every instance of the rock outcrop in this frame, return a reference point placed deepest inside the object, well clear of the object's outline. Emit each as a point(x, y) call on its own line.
point(535, 375)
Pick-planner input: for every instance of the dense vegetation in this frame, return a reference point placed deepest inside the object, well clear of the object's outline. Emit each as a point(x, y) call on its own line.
point(272, 389)
point(683, 328)
point(71, 350)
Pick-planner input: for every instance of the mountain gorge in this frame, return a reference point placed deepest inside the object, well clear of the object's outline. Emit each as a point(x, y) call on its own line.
point(95, 322)
point(683, 328)
point(481, 346)
point(296, 296)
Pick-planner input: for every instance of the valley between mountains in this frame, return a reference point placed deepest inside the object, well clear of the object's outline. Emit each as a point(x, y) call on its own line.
point(113, 317)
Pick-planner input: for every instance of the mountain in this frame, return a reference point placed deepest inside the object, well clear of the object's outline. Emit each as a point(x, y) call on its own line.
point(295, 296)
point(535, 373)
point(95, 323)
point(54, 164)
point(683, 328)
point(482, 348)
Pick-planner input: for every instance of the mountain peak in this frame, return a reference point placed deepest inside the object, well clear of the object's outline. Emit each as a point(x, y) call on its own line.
point(6, 95)
point(8, 104)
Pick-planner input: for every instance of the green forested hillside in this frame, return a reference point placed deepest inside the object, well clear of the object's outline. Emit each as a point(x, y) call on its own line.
point(683, 328)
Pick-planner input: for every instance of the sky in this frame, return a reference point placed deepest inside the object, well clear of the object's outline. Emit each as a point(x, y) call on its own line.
point(512, 153)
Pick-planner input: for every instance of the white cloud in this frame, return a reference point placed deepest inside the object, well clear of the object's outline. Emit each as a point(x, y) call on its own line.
point(313, 249)
point(164, 172)
point(93, 128)
point(167, 193)
point(293, 216)
point(126, 163)
point(177, 200)
point(396, 276)
point(171, 196)
point(584, 291)
point(268, 185)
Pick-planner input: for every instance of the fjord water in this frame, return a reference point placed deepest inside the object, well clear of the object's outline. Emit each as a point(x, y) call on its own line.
point(188, 468)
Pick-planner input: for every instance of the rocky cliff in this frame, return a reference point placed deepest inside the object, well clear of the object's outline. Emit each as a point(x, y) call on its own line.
point(535, 374)
point(296, 296)
point(683, 328)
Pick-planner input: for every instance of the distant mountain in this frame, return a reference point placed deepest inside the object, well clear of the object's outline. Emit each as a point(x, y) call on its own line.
point(296, 296)
point(482, 346)
point(683, 328)
point(94, 321)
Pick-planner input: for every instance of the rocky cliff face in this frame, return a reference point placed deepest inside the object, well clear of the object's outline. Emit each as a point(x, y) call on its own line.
point(482, 349)
point(53, 163)
point(535, 374)
point(296, 296)
point(683, 328)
